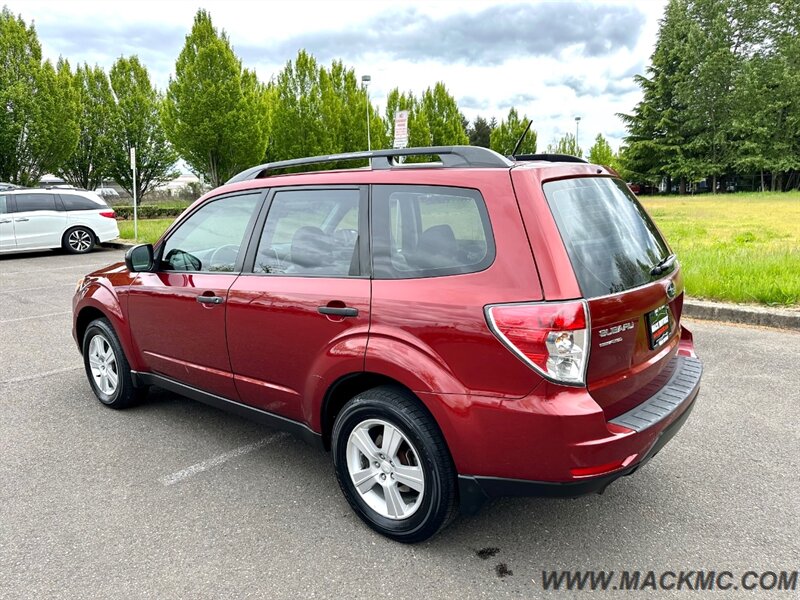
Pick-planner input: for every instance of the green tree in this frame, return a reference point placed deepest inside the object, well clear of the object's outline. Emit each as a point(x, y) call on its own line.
point(443, 117)
point(506, 135)
point(88, 164)
point(766, 100)
point(565, 145)
point(297, 126)
point(136, 123)
point(601, 153)
point(658, 133)
point(216, 113)
point(38, 123)
point(480, 132)
point(344, 112)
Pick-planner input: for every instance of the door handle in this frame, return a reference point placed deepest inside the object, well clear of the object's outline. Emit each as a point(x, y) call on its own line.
point(6, 221)
point(341, 311)
point(210, 299)
point(22, 219)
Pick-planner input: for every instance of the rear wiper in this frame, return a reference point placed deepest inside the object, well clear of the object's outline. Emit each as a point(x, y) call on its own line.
point(663, 266)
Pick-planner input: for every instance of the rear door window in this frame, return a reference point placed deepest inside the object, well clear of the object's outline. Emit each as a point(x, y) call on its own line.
point(610, 239)
point(311, 233)
point(429, 231)
point(35, 202)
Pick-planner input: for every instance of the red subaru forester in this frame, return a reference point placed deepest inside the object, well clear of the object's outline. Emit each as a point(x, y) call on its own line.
point(451, 331)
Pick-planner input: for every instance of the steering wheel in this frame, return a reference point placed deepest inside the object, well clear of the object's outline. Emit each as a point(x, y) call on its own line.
point(224, 258)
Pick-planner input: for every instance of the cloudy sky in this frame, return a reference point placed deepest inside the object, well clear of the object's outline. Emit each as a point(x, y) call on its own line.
point(552, 60)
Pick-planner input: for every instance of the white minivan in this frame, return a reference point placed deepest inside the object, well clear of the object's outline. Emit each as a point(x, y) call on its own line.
point(75, 220)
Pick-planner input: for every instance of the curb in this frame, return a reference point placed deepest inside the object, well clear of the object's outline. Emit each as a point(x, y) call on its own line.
point(118, 244)
point(781, 318)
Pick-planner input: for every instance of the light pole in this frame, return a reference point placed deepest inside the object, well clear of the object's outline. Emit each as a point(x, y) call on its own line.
point(577, 128)
point(365, 79)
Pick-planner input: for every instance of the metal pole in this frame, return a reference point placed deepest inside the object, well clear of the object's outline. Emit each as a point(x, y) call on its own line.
point(135, 207)
point(365, 79)
point(577, 129)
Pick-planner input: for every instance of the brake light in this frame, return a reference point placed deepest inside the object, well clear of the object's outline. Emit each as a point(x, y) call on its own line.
point(108, 213)
point(551, 337)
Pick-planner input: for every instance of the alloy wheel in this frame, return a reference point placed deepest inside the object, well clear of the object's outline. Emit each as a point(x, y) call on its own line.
point(385, 469)
point(80, 240)
point(103, 365)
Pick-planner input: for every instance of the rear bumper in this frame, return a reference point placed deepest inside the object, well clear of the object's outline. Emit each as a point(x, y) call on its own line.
point(474, 491)
point(667, 410)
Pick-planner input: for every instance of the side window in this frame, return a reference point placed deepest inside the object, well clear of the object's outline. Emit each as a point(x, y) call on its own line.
point(33, 202)
point(211, 238)
point(429, 231)
point(75, 202)
point(311, 232)
point(3, 205)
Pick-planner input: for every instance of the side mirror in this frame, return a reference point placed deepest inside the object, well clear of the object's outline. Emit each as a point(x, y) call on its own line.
point(139, 259)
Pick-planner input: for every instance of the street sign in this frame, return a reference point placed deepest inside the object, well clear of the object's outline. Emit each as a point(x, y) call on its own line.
point(133, 158)
point(401, 129)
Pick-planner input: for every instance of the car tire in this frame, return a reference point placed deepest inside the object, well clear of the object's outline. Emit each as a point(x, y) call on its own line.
point(107, 369)
point(407, 450)
point(78, 240)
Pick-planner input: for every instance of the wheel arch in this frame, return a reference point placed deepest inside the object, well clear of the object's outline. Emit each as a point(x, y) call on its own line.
point(86, 315)
point(100, 302)
point(348, 386)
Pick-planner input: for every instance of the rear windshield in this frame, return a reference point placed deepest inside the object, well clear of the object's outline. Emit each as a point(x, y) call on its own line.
point(610, 239)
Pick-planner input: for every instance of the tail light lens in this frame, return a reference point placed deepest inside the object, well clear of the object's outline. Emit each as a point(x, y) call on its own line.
point(551, 337)
point(108, 213)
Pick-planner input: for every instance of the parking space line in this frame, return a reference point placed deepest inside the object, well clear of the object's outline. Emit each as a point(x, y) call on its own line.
point(33, 289)
point(40, 375)
point(29, 271)
point(205, 465)
point(58, 314)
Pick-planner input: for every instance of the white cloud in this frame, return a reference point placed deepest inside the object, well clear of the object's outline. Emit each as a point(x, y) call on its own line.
point(552, 60)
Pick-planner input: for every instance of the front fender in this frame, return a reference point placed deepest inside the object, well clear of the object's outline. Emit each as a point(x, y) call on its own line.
point(97, 296)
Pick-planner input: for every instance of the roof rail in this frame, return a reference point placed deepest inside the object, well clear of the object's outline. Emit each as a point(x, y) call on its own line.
point(550, 158)
point(451, 156)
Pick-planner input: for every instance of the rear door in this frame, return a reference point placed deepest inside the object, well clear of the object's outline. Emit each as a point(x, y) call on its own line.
point(7, 241)
point(300, 317)
point(39, 221)
point(632, 283)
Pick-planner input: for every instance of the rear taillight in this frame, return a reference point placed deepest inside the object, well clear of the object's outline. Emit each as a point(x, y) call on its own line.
point(551, 337)
point(108, 213)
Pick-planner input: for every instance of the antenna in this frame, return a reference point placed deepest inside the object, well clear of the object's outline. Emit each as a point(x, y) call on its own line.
point(522, 137)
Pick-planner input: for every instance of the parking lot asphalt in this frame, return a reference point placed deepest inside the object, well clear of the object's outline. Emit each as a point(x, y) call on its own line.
point(175, 499)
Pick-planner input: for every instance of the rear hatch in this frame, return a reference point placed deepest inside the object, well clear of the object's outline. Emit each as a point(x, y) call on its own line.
point(632, 284)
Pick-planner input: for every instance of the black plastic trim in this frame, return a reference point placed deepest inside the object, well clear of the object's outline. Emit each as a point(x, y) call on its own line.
point(475, 491)
point(342, 311)
point(685, 379)
point(296, 428)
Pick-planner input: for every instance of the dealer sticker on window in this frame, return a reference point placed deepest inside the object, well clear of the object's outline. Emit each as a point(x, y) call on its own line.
point(658, 326)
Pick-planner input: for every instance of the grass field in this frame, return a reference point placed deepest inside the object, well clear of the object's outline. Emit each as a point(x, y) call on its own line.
point(735, 247)
point(149, 229)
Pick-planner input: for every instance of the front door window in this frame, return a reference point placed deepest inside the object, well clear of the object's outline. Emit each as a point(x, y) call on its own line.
point(211, 238)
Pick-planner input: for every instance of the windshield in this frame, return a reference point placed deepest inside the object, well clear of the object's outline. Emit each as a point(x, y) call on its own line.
point(611, 241)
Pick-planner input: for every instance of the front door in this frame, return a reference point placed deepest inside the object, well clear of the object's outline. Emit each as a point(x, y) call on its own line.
point(298, 316)
point(177, 313)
